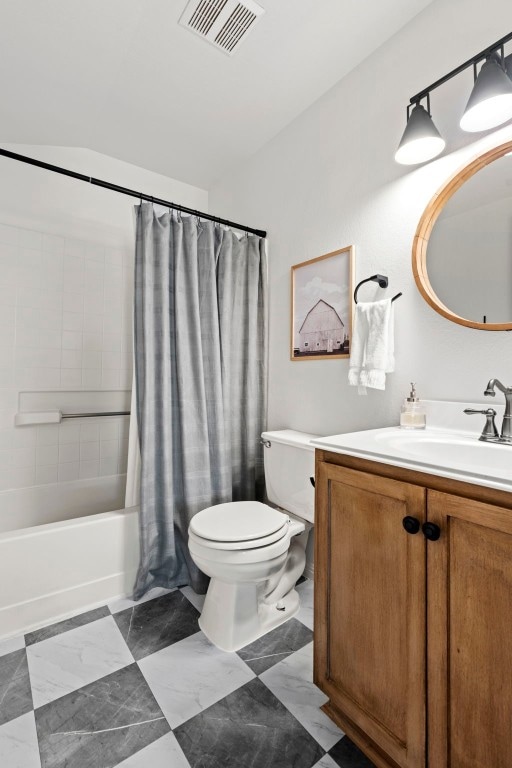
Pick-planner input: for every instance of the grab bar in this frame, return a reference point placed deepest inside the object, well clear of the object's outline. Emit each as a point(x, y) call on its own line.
point(91, 415)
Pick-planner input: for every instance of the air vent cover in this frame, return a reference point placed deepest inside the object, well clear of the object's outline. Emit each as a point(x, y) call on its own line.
point(224, 23)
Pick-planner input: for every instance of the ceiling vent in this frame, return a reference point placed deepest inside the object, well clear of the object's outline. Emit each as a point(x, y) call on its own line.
point(224, 23)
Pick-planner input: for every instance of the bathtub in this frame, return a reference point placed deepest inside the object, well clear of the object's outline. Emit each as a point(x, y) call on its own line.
point(64, 548)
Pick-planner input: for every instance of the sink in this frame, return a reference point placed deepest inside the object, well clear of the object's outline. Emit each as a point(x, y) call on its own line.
point(457, 455)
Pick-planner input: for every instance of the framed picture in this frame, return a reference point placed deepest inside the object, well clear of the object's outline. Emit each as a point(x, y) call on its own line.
point(322, 306)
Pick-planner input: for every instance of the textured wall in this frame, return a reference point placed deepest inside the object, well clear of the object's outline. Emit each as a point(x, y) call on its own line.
point(329, 180)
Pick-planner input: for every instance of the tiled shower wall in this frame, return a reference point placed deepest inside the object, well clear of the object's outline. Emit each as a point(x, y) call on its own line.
point(65, 323)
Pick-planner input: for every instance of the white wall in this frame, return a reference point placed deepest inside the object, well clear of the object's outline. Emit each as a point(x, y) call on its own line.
point(329, 180)
point(66, 288)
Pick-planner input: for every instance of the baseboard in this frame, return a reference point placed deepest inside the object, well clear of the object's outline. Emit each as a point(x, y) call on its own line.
point(57, 606)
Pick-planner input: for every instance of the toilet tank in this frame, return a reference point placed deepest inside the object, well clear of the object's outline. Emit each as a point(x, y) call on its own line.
point(289, 464)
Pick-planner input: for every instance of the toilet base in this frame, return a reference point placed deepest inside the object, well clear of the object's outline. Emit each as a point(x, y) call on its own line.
point(234, 615)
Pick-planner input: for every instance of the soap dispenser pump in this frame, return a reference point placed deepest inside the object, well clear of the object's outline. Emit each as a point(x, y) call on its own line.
point(412, 412)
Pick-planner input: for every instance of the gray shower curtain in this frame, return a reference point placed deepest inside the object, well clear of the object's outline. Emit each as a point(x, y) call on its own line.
point(200, 365)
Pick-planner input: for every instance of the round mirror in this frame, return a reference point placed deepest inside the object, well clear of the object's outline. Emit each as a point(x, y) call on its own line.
point(462, 253)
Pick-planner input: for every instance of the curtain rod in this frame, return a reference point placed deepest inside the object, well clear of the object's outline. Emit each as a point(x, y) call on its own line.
point(126, 191)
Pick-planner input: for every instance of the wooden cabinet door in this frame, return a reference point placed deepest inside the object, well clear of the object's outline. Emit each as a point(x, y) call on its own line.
point(370, 612)
point(469, 634)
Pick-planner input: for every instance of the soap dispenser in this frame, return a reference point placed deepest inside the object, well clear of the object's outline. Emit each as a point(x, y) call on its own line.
point(412, 412)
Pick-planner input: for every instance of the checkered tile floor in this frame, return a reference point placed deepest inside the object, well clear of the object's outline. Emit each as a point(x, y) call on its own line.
point(139, 686)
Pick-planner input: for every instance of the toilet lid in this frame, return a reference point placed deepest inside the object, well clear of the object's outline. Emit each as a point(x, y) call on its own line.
point(238, 521)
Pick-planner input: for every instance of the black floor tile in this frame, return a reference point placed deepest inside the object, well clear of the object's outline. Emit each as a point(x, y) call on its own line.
point(101, 724)
point(154, 625)
point(347, 755)
point(64, 626)
point(275, 645)
point(15, 690)
point(248, 728)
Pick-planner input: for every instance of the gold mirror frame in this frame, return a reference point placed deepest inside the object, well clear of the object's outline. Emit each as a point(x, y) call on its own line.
point(424, 230)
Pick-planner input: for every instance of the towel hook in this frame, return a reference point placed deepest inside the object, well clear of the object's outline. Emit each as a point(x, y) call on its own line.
point(382, 280)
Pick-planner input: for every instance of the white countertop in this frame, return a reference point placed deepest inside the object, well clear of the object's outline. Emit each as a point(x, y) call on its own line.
point(455, 454)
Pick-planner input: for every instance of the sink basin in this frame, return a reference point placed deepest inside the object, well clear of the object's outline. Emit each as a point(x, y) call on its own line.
point(450, 454)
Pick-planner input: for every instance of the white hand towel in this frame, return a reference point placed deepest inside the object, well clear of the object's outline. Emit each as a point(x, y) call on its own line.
point(372, 352)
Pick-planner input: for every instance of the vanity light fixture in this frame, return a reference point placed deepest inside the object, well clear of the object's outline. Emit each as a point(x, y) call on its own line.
point(489, 105)
point(421, 140)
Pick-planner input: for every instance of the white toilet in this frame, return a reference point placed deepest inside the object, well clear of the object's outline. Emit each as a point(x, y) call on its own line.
point(254, 553)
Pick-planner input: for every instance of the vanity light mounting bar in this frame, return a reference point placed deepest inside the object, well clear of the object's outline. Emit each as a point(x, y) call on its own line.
point(125, 191)
point(472, 62)
point(94, 415)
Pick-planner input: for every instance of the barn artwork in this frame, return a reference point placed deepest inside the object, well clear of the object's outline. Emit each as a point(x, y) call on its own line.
point(322, 306)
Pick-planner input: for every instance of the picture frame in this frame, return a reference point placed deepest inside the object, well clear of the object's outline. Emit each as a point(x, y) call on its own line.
point(322, 306)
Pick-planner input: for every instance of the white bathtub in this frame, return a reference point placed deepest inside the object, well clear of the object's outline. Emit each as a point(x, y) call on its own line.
point(63, 550)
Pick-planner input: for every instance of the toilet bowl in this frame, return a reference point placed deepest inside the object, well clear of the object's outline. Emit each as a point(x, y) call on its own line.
point(255, 553)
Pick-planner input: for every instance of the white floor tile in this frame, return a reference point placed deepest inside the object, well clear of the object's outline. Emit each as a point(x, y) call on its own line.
point(191, 675)
point(291, 682)
point(11, 644)
point(72, 659)
point(196, 600)
point(18, 743)
point(162, 753)
point(305, 613)
point(121, 603)
point(326, 762)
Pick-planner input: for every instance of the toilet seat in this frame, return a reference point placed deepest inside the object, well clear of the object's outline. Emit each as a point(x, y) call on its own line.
point(239, 524)
point(244, 544)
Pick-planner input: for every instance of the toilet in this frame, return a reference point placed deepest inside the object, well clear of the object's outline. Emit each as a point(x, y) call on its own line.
point(254, 553)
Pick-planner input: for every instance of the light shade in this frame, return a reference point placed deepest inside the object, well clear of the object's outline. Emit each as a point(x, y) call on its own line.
point(421, 140)
point(490, 102)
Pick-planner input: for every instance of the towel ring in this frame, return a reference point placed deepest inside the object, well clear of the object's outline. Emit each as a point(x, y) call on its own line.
point(382, 280)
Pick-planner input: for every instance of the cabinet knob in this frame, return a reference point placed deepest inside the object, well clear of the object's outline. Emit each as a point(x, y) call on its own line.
point(411, 524)
point(431, 531)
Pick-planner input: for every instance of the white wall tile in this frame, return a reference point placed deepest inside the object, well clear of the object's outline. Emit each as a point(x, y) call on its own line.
point(94, 252)
point(111, 342)
point(22, 477)
point(71, 340)
point(72, 321)
point(109, 449)
point(47, 454)
point(23, 457)
point(74, 248)
point(30, 239)
point(110, 378)
point(89, 432)
point(91, 378)
point(69, 452)
point(64, 324)
point(8, 235)
point(71, 358)
point(72, 302)
point(93, 323)
point(108, 466)
point(89, 451)
point(47, 474)
point(71, 377)
point(109, 429)
point(69, 432)
point(92, 342)
point(69, 471)
point(89, 469)
point(48, 434)
point(24, 437)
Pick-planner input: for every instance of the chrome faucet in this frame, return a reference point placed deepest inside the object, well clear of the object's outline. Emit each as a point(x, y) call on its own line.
point(506, 427)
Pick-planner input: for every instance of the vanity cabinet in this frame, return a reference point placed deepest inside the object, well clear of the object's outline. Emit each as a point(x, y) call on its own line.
point(413, 636)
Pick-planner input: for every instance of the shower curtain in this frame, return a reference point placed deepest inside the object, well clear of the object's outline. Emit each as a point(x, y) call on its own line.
point(201, 369)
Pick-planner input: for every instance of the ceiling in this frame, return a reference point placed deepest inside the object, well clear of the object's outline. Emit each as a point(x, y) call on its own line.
point(123, 78)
